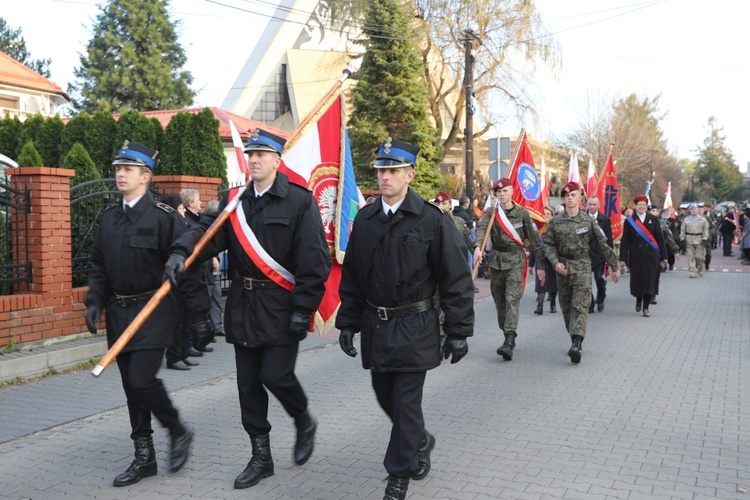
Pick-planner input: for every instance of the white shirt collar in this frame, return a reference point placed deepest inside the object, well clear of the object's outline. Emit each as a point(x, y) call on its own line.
point(132, 203)
point(393, 207)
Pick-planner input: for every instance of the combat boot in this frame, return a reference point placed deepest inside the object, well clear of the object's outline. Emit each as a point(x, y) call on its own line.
point(506, 350)
point(539, 308)
point(306, 427)
point(425, 448)
point(260, 465)
point(575, 349)
point(179, 449)
point(396, 489)
point(552, 300)
point(144, 464)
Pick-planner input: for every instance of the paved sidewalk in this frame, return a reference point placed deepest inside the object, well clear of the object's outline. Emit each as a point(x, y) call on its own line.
point(658, 408)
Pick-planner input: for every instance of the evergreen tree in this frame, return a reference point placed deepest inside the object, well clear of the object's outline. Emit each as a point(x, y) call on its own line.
point(11, 132)
point(175, 139)
point(32, 127)
point(717, 172)
point(75, 131)
point(29, 156)
point(78, 159)
point(134, 127)
point(49, 141)
point(13, 44)
point(133, 61)
point(101, 141)
point(206, 154)
point(390, 98)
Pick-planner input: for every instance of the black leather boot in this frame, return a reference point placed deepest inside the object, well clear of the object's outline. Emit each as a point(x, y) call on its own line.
point(306, 427)
point(539, 308)
point(179, 450)
point(506, 350)
point(260, 465)
point(575, 349)
point(396, 489)
point(425, 447)
point(552, 300)
point(144, 464)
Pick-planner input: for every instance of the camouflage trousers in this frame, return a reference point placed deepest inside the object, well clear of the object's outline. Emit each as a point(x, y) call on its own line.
point(574, 291)
point(695, 255)
point(507, 289)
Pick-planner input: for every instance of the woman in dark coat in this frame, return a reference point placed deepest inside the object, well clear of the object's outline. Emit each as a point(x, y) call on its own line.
point(550, 284)
point(643, 249)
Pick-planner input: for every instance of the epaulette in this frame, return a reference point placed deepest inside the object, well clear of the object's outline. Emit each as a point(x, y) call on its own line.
point(429, 203)
point(111, 206)
point(164, 207)
point(299, 186)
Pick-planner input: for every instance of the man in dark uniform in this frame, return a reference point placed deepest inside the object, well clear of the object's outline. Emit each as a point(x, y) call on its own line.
point(597, 259)
point(127, 265)
point(401, 252)
point(279, 261)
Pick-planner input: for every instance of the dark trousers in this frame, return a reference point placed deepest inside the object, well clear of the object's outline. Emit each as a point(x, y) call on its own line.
point(400, 396)
point(726, 240)
point(269, 368)
point(601, 284)
point(178, 347)
point(146, 393)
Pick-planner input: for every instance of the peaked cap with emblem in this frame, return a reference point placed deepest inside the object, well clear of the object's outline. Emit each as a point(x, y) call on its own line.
point(131, 153)
point(394, 153)
point(262, 140)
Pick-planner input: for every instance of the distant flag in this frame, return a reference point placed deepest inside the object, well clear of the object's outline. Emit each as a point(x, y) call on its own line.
point(608, 192)
point(239, 150)
point(321, 162)
point(592, 179)
point(545, 187)
point(527, 190)
point(668, 197)
point(573, 174)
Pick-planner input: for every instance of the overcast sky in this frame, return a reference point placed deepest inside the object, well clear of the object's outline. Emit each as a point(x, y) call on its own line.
point(694, 53)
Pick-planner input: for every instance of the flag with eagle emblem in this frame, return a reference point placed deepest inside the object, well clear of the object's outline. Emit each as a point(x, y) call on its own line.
point(321, 161)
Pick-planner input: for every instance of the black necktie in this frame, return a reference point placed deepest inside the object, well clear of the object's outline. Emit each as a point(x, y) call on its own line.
point(390, 214)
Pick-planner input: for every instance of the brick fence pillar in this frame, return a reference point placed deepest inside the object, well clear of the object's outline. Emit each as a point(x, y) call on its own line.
point(49, 226)
point(207, 187)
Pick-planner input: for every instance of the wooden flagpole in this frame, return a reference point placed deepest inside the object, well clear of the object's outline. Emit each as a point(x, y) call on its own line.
point(164, 289)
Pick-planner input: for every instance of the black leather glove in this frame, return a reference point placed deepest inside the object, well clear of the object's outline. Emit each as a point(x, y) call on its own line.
point(298, 325)
point(706, 244)
point(456, 348)
point(174, 266)
point(346, 341)
point(93, 317)
point(203, 330)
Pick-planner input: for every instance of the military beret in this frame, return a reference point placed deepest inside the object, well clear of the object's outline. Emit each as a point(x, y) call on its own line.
point(571, 186)
point(442, 196)
point(501, 183)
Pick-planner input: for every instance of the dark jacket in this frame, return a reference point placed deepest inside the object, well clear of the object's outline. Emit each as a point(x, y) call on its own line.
point(597, 259)
point(642, 259)
point(460, 211)
point(287, 224)
point(128, 258)
point(399, 262)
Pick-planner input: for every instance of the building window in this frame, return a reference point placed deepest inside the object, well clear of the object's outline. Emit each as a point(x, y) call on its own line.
point(275, 101)
point(8, 102)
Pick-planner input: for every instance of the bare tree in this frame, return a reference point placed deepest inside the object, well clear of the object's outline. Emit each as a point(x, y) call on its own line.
point(508, 41)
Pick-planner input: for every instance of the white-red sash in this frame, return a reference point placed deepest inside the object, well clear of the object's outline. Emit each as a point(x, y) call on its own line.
point(511, 232)
point(250, 244)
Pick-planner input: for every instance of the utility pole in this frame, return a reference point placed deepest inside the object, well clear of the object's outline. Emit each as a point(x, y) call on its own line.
point(469, 37)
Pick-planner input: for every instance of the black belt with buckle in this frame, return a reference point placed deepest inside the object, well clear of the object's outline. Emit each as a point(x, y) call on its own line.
point(253, 284)
point(386, 313)
point(129, 300)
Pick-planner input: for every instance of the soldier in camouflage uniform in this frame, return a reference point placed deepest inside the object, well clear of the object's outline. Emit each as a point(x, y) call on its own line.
point(569, 238)
point(712, 232)
point(507, 261)
point(694, 232)
point(443, 200)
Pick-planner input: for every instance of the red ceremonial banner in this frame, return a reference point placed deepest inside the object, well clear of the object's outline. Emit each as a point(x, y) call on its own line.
point(608, 192)
point(527, 188)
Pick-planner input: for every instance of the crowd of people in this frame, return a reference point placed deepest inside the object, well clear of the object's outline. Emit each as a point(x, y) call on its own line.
point(401, 290)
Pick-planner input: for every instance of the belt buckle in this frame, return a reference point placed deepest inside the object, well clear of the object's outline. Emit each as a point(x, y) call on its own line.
point(382, 313)
point(248, 282)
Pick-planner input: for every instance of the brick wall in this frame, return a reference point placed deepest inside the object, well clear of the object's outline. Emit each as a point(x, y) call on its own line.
point(49, 308)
